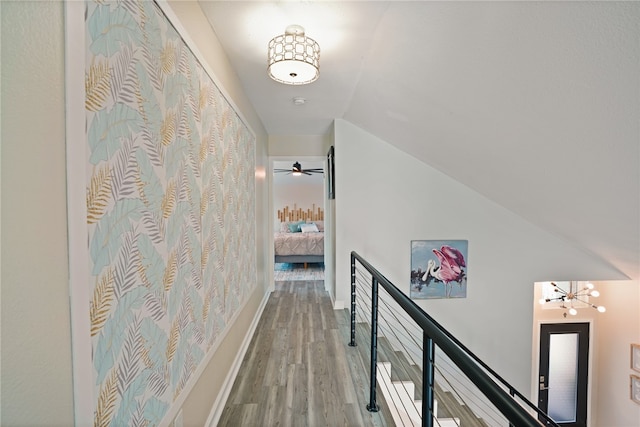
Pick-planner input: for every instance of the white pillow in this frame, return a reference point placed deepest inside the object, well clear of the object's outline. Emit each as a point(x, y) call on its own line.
point(308, 228)
point(320, 224)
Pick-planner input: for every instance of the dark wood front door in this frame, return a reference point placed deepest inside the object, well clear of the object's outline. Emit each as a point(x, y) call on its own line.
point(563, 373)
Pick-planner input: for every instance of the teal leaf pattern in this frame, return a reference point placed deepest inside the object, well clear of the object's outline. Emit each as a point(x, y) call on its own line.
point(149, 183)
point(151, 263)
point(155, 340)
point(124, 81)
point(181, 213)
point(128, 367)
point(107, 238)
point(126, 271)
point(108, 127)
point(125, 171)
point(154, 408)
point(137, 418)
point(110, 340)
point(109, 28)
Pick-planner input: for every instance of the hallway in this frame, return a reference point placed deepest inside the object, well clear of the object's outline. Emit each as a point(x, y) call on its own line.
point(298, 369)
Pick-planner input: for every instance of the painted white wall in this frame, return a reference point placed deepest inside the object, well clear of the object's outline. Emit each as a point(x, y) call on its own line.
point(386, 198)
point(284, 146)
point(330, 233)
point(36, 340)
point(617, 329)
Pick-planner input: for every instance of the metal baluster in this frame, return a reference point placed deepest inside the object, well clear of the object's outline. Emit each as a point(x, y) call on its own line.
point(352, 343)
point(513, 395)
point(372, 406)
point(428, 361)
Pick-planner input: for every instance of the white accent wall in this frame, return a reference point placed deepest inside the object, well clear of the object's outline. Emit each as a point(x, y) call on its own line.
point(386, 198)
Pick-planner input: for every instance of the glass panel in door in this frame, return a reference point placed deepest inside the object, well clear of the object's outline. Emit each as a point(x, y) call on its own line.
point(563, 377)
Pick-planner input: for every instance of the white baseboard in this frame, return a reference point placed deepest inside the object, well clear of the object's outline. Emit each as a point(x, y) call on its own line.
point(338, 305)
point(218, 405)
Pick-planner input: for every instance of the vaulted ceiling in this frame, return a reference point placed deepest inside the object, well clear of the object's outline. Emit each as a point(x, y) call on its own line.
point(535, 105)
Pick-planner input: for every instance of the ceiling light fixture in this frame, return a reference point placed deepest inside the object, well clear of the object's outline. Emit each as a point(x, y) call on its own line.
point(293, 58)
point(297, 169)
point(574, 298)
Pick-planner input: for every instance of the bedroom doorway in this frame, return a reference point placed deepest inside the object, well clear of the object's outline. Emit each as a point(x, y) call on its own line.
point(298, 195)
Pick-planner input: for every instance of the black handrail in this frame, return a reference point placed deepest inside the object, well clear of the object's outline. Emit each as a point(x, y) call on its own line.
point(457, 352)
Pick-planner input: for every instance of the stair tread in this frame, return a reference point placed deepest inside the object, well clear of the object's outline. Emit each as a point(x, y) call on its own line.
point(403, 370)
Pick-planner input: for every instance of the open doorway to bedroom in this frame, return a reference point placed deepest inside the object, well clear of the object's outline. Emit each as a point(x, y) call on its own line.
point(298, 204)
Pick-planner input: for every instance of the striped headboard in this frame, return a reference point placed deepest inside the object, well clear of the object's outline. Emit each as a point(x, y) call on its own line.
point(298, 214)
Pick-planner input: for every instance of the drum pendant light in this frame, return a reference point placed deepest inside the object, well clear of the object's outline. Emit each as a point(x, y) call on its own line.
point(294, 58)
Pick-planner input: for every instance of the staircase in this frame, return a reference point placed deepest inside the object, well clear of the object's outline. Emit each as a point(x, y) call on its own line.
point(473, 384)
point(405, 410)
point(400, 383)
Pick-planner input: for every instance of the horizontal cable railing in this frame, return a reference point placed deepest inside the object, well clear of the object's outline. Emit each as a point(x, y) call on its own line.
point(395, 328)
point(405, 336)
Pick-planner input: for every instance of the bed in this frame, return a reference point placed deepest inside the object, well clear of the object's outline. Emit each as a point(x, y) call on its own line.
point(299, 242)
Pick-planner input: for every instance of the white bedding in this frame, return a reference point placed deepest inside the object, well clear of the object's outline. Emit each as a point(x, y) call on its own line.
point(311, 243)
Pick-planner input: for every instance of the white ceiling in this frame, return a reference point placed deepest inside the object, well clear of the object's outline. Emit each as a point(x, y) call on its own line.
point(535, 105)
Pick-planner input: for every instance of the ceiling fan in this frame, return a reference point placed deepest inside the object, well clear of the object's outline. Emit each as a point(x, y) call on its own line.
point(297, 170)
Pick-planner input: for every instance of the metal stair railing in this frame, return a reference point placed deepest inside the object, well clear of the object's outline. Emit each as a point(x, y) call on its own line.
point(456, 400)
point(488, 382)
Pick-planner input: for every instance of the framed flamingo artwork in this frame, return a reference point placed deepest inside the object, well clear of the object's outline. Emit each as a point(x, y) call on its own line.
point(438, 269)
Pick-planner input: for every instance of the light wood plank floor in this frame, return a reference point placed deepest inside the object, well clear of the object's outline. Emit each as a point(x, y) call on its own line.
point(299, 370)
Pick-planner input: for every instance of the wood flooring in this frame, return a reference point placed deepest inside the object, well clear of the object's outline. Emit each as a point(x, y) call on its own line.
point(298, 370)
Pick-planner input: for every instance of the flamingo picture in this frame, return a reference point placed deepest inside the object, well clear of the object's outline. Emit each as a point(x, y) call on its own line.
point(448, 266)
point(451, 268)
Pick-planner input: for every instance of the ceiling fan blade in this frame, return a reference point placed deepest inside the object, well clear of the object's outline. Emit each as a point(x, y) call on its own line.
point(297, 168)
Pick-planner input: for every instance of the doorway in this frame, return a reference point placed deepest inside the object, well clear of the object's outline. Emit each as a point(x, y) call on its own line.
point(297, 197)
point(563, 372)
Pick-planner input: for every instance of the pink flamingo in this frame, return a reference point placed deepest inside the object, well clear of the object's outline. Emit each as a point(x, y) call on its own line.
point(450, 268)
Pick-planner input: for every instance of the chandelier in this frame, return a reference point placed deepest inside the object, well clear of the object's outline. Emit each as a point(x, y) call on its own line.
point(574, 297)
point(293, 58)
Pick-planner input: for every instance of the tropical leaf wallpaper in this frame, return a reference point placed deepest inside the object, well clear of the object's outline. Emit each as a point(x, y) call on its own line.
point(170, 211)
